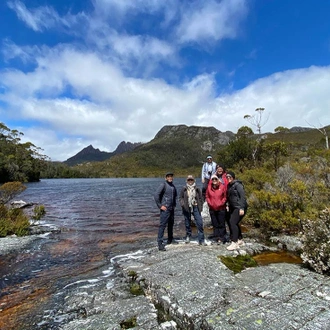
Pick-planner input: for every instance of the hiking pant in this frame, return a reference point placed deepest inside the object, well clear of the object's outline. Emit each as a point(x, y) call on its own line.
point(235, 228)
point(166, 219)
point(198, 220)
point(218, 219)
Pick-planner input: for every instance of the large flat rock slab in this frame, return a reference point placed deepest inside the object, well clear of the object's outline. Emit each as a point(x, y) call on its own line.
point(192, 289)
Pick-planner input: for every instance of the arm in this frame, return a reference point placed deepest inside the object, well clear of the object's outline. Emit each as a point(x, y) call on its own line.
point(181, 197)
point(202, 176)
point(159, 195)
point(242, 199)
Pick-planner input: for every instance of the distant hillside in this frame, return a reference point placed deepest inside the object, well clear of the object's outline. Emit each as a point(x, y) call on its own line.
point(183, 149)
point(178, 148)
point(90, 154)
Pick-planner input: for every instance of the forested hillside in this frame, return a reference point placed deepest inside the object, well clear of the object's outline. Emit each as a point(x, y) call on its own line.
point(18, 161)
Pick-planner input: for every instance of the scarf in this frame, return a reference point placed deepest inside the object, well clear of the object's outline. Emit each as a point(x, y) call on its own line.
point(191, 194)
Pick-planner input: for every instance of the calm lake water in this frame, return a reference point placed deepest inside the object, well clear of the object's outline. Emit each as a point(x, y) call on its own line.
point(99, 219)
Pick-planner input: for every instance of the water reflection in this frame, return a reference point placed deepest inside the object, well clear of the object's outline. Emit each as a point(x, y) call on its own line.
point(266, 258)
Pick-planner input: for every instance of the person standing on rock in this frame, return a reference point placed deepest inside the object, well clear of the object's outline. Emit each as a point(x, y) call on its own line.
point(237, 207)
point(216, 200)
point(221, 174)
point(165, 198)
point(208, 169)
point(191, 201)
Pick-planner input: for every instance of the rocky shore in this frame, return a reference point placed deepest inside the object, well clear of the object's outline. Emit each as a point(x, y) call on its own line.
point(188, 287)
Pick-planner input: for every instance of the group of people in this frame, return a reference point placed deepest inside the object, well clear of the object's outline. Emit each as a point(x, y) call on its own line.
point(222, 192)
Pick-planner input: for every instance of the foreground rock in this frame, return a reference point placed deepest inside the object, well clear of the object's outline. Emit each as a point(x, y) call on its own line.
point(188, 287)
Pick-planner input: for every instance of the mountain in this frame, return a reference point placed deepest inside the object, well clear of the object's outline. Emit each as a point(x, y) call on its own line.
point(176, 148)
point(90, 154)
point(183, 149)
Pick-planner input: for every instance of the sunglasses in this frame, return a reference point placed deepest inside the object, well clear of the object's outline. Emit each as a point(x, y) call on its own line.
point(190, 180)
point(215, 180)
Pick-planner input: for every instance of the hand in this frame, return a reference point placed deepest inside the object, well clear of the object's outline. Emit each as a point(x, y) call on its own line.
point(203, 180)
point(163, 208)
point(241, 212)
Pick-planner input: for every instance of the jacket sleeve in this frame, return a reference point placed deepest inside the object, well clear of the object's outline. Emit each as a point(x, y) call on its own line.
point(158, 195)
point(202, 175)
point(181, 197)
point(223, 199)
point(241, 195)
point(175, 197)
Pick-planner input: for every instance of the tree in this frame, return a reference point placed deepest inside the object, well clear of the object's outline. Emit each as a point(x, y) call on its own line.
point(323, 131)
point(257, 120)
point(281, 129)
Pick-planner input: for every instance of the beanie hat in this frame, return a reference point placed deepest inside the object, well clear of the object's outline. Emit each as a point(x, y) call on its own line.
point(214, 177)
point(231, 173)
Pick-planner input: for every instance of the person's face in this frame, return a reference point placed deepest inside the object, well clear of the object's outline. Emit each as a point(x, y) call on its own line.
point(190, 182)
point(215, 182)
point(169, 178)
point(219, 170)
point(209, 160)
point(229, 178)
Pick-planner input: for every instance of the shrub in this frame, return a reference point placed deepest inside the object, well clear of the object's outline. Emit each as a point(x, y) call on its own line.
point(9, 190)
point(38, 212)
point(13, 221)
point(316, 243)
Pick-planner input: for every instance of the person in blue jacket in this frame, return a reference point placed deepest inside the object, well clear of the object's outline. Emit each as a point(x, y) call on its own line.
point(165, 198)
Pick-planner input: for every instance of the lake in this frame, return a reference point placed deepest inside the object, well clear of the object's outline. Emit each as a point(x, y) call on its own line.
point(99, 219)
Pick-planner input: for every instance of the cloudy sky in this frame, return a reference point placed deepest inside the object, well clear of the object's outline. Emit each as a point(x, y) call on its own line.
point(81, 72)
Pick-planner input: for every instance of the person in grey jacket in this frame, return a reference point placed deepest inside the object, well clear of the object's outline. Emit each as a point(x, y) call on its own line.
point(191, 201)
point(237, 207)
point(165, 198)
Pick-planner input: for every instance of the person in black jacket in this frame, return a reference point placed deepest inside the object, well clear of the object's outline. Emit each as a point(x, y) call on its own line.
point(165, 198)
point(237, 209)
point(191, 201)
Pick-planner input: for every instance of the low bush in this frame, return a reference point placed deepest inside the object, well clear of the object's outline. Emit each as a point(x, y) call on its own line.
point(316, 243)
point(13, 222)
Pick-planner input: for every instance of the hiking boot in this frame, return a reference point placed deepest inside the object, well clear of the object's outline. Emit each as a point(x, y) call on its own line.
point(202, 244)
point(187, 240)
point(240, 242)
point(233, 246)
point(161, 247)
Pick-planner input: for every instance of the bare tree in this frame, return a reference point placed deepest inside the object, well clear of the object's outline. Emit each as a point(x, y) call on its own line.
point(323, 131)
point(257, 120)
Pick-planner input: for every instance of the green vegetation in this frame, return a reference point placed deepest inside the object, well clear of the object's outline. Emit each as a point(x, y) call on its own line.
point(18, 161)
point(316, 243)
point(38, 212)
point(238, 263)
point(12, 221)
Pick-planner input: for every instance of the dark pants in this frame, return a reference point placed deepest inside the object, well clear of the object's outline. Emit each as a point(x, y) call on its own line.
point(218, 219)
point(166, 219)
point(199, 223)
point(204, 188)
point(235, 228)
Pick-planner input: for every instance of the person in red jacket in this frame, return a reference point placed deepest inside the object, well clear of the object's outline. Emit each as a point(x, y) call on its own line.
point(216, 200)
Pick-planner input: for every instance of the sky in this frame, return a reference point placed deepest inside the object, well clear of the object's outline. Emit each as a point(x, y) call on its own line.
point(75, 73)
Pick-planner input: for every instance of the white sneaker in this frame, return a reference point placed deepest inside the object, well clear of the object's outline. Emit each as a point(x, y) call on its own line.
point(240, 242)
point(233, 246)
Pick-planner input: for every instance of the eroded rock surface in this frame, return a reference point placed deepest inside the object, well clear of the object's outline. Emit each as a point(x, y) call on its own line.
point(188, 287)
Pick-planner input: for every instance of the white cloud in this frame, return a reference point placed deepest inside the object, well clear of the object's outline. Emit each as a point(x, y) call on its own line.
point(211, 21)
point(101, 90)
point(108, 107)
